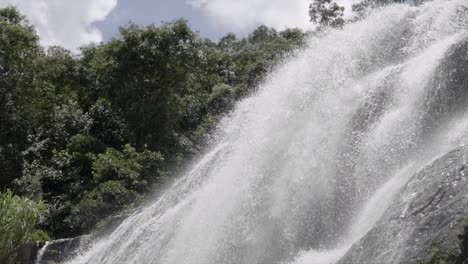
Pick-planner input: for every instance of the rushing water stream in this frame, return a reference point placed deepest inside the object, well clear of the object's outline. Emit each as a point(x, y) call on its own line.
point(306, 166)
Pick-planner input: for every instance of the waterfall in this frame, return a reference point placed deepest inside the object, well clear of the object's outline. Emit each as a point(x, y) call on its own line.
point(40, 253)
point(304, 167)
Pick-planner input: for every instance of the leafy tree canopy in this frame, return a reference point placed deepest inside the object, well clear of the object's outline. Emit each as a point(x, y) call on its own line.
point(92, 134)
point(326, 13)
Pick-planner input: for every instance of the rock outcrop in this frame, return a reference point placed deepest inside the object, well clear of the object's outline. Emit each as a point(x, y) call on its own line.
point(54, 251)
point(427, 222)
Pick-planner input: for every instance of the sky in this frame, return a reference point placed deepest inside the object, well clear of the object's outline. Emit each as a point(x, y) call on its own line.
point(73, 23)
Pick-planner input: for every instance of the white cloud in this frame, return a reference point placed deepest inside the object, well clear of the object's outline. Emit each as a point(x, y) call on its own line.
point(240, 16)
point(243, 15)
point(68, 23)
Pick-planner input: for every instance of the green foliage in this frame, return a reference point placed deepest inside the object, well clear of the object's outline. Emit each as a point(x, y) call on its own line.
point(31, 182)
point(107, 125)
point(75, 163)
point(221, 98)
point(119, 177)
point(148, 68)
point(68, 120)
point(360, 9)
point(107, 198)
point(93, 134)
point(439, 256)
point(19, 218)
point(326, 13)
point(18, 53)
point(140, 171)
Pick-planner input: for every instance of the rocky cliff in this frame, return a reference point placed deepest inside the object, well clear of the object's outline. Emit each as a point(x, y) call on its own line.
point(427, 223)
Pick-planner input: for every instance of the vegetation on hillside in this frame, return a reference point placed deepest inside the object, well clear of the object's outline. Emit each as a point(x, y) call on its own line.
point(85, 136)
point(91, 134)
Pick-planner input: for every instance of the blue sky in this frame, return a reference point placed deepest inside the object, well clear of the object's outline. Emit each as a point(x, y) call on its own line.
point(145, 12)
point(73, 23)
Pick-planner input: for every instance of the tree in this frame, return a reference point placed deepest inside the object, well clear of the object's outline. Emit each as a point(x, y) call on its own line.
point(262, 34)
point(107, 125)
point(92, 134)
point(18, 54)
point(120, 178)
point(147, 70)
point(326, 13)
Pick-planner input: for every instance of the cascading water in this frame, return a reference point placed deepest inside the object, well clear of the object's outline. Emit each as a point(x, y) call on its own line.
point(307, 165)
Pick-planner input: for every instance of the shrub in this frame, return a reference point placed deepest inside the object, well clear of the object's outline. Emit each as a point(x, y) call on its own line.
point(104, 200)
point(18, 220)
point(139, 170)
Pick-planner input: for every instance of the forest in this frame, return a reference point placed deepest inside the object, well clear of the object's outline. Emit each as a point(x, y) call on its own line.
point(84, 136)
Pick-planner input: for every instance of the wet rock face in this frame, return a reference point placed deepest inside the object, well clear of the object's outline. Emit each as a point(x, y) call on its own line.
point(61, 250)
point(449, 89)
point(427, 223)
point(55, 251)
point(28, 253)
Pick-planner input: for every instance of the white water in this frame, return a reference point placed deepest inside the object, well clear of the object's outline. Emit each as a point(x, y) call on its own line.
point(308, 165)
point(40, 253)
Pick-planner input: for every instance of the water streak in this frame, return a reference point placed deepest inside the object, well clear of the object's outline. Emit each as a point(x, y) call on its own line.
point(307, 165)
